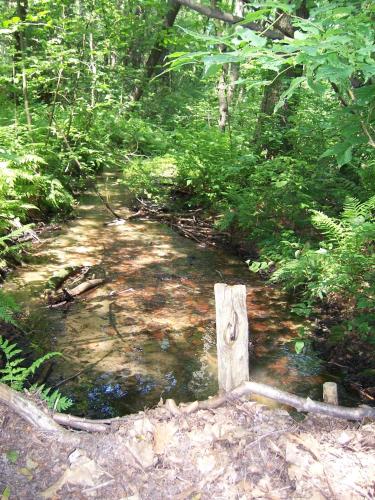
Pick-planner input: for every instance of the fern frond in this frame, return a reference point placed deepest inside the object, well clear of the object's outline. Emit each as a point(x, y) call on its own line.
point(7, 309)
point(356, 211)
point(55, 401)
point(16, 376)
point(38, 362)
point(352, 208)
point(333, 229)
point(369, 206)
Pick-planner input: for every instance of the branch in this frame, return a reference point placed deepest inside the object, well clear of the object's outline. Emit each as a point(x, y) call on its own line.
point(27, 410)
point(300, 404)
point(30, 412)
point(226, 17)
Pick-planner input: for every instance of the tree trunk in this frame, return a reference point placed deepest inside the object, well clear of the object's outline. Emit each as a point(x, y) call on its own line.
point(21, 46)
point(92, 69)
point(234, 68)
point(228, 77)
point(158, 52)
point(271, 96)
point(223, 99)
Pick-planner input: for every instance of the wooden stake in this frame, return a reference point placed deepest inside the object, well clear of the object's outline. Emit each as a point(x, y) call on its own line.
point(232, 336)
point(330, 393)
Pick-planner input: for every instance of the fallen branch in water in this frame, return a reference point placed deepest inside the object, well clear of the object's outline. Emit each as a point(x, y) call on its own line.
point(197, 229)
point(84, 370)
point(68, 295)
point(106, 204)
point(58, 278)
point(86, 285)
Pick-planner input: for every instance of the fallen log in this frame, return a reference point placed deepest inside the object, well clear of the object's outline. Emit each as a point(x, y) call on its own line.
point(83, 287)
point(28, 410)
point(79, 424)
point(67, 295)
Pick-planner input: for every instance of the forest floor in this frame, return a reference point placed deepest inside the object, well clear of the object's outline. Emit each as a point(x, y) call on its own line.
point(242, 450)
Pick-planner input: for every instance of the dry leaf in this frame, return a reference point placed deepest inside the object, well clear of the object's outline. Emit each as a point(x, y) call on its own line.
point(163, 435)
point(142, 452)
point(83, 472)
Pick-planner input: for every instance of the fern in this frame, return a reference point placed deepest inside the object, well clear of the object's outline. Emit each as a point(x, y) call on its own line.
point(55, 400)
point(345, 262)
point(8, 307)
point(357, 212)
point(15, 375)
point(334, 230)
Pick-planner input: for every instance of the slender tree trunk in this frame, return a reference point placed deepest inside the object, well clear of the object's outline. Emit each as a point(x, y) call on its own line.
point(15, 96)
point(222, 96)
point(52, 113)
point(234, 68)
point(20, 56)
point(93, 70)
point(228, 77)
point(158, 52)
point(75, 87)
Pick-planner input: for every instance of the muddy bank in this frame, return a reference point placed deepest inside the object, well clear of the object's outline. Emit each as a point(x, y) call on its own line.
point(241, 450)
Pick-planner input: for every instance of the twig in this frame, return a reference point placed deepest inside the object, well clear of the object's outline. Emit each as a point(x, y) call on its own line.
point(102, 485)
point(87, 368)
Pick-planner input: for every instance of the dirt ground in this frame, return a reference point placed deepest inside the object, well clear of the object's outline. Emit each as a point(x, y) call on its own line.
point(242, 450)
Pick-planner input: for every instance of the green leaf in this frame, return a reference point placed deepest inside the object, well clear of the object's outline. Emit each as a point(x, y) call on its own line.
point(12, 456)
point(296, 83)
point(280, 184)
point(226, 58)
point(298, 346)
point(253, 16)
point(342, 151)
point(207, 38)
point(6, 493)
point(251, 37)
point(335, 74)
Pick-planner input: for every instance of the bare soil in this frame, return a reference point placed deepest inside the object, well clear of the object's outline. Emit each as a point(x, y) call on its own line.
point(242, 450)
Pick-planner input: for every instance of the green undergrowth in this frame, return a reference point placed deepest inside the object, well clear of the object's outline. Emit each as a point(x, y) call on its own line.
point(18, 377)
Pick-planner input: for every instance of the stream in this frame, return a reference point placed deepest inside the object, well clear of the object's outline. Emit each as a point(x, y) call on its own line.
point(149, 331)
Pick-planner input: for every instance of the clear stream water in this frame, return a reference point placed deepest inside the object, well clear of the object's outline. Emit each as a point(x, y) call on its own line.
point(149, 331)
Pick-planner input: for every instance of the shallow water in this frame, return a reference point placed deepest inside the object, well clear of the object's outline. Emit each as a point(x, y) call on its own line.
point(149, 332)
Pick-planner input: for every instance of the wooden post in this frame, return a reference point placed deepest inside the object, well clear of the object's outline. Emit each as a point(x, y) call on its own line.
point(330, 393)
point(232, 336)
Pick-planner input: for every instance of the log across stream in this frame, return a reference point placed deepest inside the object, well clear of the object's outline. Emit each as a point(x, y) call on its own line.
point(149, 330)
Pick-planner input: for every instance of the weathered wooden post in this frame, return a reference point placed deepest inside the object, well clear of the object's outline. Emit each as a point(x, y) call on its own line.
point(232, 336)
point(330, 393)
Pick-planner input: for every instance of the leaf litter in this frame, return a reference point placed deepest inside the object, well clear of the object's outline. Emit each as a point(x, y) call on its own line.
point(243, 450)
